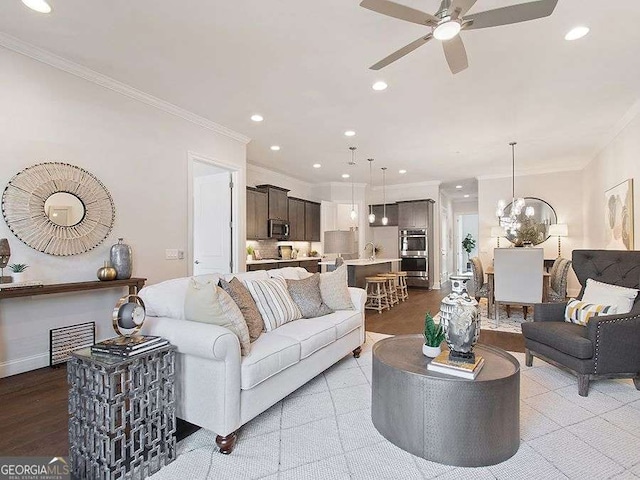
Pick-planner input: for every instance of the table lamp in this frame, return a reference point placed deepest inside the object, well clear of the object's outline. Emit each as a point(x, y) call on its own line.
point(497, 232)
point(338, 241)
point(558, 230)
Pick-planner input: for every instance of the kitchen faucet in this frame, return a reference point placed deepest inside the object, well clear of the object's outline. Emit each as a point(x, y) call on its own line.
point(373, 250)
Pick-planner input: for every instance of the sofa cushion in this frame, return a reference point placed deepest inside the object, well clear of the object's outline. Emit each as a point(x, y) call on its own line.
point(256, 275)
point(166, 299)
point(270, 354)
point(274, 302)
point(606, 294)
point(288, 273)
point(567, 337)
point(306, 294)
point(334, 289)
point(236, 289)
point(581, 312)
point(345, 321)
point(312, 334)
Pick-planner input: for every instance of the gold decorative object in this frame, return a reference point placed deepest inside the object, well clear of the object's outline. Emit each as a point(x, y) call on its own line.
point(107, 273)
point(58, 209)
point(128, 314)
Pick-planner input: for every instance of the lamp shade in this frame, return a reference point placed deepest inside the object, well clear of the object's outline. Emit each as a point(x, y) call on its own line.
point(558, 230)
point(497, 232)
point(338, 241)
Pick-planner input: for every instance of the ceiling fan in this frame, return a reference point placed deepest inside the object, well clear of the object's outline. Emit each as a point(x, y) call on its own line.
point(450, 19)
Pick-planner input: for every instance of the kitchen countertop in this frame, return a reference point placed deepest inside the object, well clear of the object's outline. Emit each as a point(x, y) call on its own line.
point(362, 261)
point(280, 260)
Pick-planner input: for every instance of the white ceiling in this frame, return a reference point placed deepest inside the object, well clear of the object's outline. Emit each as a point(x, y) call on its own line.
point(304, 66)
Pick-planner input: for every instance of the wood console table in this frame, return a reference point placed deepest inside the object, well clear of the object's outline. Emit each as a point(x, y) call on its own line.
point(134, 284)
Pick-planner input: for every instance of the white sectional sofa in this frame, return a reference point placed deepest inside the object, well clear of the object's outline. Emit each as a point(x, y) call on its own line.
point(219, 390)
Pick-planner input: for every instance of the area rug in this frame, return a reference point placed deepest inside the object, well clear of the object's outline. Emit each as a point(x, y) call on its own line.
point(324, 431)
point(511, 324)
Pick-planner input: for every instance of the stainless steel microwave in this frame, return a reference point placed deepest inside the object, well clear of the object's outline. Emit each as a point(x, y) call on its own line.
point(279, 229)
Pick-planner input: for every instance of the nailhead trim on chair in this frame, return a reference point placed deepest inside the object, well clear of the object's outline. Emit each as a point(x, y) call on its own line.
point(619, 320)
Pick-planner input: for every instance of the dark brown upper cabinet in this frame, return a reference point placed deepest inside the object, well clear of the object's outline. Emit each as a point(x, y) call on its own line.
point(392, 215)
point(296, 219)
point(278, 202)
point(257, 214)
point(312, 221)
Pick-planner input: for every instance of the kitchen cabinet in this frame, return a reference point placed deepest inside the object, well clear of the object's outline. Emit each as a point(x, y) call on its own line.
point(392, 215)
point(312, 221)
point(257, 214)
point(278, 202)
point(310, 265)
point(415, 214)
point(297, 219)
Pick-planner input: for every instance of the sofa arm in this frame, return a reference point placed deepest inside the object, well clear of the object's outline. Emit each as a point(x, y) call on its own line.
point(615, 339)
point(549, 312)
point(358, 298)
point(194, 338)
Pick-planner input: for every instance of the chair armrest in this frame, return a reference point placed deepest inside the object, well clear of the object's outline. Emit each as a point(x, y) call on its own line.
point(358, 298)
point(615, 339)
point(195, 338)
point(549, 312)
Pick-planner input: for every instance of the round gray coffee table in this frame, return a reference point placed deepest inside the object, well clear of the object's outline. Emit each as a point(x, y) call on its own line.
point(445, 419)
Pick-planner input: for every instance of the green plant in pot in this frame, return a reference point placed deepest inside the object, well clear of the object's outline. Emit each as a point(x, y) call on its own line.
point(18, 269)
point(250, 251)
point(468, 244)
point(433, 337)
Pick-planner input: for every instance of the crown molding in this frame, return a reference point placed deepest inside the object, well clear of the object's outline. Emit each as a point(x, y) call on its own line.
point(428, 183)
point(271, 171)
point(346, 183)
point(53, 60)
point(629, 116)
point(575, 168)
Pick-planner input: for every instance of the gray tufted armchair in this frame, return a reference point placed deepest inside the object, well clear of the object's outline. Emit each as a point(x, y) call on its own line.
point(558, 288)
point(609, 346)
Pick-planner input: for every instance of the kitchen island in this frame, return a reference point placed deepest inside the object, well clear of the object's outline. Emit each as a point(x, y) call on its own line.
point(361, 268)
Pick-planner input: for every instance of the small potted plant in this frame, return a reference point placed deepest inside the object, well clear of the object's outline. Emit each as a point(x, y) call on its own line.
point(18, 269)
point(468, 244)
point(433, 337)
point(250, 251)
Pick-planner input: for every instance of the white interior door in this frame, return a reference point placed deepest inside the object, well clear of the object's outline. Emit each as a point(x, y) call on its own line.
point(212, 223)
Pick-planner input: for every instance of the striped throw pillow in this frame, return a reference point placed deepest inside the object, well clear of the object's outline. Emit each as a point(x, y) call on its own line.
point(274, 302)
point(581, 312)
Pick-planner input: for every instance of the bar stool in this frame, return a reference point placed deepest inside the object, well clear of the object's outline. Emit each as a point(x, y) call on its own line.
point(376, 294)
point(403, 291)
point(392, 287)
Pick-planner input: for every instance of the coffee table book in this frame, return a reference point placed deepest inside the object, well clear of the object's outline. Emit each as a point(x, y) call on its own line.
point(442, 364)
point(129, 346)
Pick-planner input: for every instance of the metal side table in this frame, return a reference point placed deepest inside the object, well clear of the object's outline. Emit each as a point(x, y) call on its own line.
point(122, 414)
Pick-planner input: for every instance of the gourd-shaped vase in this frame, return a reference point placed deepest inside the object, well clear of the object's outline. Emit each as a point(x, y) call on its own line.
point(121, 260)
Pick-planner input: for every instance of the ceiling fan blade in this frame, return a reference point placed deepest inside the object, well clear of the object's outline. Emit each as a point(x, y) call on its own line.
point(513, 14)
point(398, 54)
point(463, 5)
point(455, 54)
point(396, 10)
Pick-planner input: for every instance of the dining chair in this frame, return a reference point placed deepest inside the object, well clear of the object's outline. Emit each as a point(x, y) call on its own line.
point(480, 287)
point(518, 277)
point(558, 288)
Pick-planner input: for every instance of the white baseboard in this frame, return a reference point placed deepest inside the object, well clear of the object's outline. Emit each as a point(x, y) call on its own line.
point(25, 364)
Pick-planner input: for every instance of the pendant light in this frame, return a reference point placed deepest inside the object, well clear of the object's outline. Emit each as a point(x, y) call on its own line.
point(385, 220)
point(352, 163)
point(372, 216)
point(512, 223)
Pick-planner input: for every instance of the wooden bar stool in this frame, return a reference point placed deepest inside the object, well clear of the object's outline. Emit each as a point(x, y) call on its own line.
point(392, 287)
point(376, 294)
point(403, 291)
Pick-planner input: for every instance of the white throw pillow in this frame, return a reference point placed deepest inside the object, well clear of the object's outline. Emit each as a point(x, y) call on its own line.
point(334, 289)
point(605, 294)
point(581, 312)
point(288, 273)
point(273, 301)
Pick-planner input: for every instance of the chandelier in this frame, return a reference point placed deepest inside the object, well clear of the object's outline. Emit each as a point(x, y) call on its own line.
point(352, 163)
point(511, 223)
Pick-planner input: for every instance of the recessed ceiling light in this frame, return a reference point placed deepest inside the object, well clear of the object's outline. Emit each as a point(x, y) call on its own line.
point(576, 33)
point(257, 118)
point(466, 196)
point(316, 165)
point(39, 6)
point(402, 172)
point(275, 148)
point(379, 86)
point(349, 133)
point(458, 187)
point(345, 175)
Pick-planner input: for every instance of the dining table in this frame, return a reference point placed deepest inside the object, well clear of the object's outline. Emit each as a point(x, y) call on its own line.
point(546, 282)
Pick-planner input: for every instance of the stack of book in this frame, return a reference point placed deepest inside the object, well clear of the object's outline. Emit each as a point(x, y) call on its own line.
point(129, 346)
point(442, 364)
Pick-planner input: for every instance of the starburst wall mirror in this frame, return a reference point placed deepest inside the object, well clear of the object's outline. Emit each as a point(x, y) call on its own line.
point(58, 209)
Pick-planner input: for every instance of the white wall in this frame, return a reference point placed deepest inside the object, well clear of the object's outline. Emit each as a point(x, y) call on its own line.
point(560, 189)
point(617, 162)
point(138, 151)
point(257, 175)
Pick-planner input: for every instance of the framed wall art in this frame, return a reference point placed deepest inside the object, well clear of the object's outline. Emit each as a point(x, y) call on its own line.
point(619, 216)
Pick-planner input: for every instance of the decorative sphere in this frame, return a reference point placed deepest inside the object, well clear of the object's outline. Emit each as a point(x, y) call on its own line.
point(106, 274)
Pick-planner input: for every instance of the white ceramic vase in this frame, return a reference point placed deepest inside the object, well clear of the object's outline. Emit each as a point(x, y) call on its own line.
point(431, 352)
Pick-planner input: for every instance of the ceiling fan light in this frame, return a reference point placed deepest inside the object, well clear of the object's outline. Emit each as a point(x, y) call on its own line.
point(447, 30)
